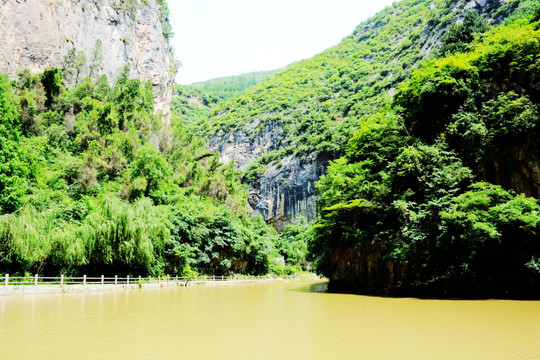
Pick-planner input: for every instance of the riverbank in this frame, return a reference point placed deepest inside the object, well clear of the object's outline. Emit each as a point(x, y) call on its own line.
point(78, 288)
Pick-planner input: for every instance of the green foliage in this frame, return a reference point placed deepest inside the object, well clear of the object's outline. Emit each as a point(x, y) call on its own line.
point(210, 239)
point(164, 18)
point(107, 235)
point(227, 87)
point(193, 103)
point(491, 234)
point(150, 169)
point(293, 242)
point(72, 64)
point(408, 184)
point(83, 190)
point(474, 100)
point(52, 83)
point(96, 59)
point(17, 164)
point(459, 36)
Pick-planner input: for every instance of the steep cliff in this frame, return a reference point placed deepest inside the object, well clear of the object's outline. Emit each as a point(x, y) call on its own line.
point(281, 191)
point(90, 38)
point(284, 132)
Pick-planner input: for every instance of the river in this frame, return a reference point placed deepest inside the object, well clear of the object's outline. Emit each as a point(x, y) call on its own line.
point(266, 320)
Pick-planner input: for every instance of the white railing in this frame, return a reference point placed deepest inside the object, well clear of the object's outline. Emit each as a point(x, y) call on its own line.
point(36, 280)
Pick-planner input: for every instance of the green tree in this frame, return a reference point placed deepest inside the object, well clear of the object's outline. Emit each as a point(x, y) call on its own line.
point(96, 59)
point(489, 236)
point(150, 173)
point(293, 242)
point(16, 168)
point(52, 83)
point(73, 64)
point(459, 36)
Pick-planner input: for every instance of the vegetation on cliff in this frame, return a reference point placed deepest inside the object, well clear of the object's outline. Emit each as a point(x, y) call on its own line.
point(430, 180)
point(319, 101)
point(194, 103)
point(85, 189)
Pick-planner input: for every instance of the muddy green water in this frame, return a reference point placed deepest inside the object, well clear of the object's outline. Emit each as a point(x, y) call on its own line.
point(281, 320)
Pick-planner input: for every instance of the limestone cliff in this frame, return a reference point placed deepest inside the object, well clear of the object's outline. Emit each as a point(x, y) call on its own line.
point(285, 190)
point(92, 37)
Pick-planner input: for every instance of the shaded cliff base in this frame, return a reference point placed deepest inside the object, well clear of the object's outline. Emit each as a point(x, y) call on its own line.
point(364, 271)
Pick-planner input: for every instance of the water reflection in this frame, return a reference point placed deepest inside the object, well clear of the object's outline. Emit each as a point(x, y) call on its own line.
point(317, 287)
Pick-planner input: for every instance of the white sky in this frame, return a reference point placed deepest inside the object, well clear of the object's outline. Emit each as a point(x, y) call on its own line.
point(215, 38)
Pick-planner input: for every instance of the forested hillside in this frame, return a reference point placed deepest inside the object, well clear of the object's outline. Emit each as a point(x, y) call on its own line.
point(437, 193)
point(413, 145)
point(85, 189)
point(283, 132)
point(431, 110)
point(194, 103)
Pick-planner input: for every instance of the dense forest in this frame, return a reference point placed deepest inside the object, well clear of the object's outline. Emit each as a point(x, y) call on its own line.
point(437, 193)
point(194, 103)
point(87, 187)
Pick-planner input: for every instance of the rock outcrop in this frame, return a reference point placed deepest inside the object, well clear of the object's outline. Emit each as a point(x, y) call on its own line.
point(363, 270)
point(108, 37)
point(286, 190)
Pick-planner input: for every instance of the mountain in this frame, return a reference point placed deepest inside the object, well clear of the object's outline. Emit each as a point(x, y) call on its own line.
point(91, 38)
point(283, 132)
point(437, 194)
point(195, 102)
point(229, 86)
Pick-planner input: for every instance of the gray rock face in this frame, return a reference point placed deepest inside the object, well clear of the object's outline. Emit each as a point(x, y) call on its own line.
point(285, 190)
point(481, 5)
point(40, 33)
point(243, 146)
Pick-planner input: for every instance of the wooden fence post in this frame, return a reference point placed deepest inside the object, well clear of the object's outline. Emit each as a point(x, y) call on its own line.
point(84, 280)
point(102, 279)
point(149, 279)
point(62, 280)
point(115, 279)
point(35, 280)
point(127, 280)
point(6, 280)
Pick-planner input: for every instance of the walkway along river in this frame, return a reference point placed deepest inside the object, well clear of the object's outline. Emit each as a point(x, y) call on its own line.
point(39, 285)
point(262, 320)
